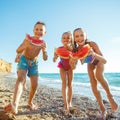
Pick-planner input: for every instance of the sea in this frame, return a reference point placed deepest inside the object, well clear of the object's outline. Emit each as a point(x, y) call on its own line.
point(81, 84)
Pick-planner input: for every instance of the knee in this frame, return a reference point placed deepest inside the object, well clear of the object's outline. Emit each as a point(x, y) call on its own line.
point(64, 84)
point(20, 79)
point(69, 85)
point(99, 77)
point(93, 84)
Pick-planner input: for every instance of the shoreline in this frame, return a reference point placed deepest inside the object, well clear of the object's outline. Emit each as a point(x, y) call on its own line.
point(49, 102)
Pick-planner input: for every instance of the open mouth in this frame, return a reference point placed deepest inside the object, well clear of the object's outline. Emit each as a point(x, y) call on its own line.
point(81, 42)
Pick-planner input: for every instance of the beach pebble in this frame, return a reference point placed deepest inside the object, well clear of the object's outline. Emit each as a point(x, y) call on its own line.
point(49, 101)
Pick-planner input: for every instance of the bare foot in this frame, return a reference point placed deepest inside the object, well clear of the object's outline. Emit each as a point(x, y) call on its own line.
point(10, 108)
point(32, 106)
point(103, 115)
point(69, 105)
point(114, 105)
point(65, 111)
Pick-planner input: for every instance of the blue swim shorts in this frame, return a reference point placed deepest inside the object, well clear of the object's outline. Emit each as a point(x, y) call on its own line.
point(30, 65)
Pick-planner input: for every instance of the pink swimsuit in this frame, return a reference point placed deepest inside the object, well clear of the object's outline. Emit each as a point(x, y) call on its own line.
point(64, 63)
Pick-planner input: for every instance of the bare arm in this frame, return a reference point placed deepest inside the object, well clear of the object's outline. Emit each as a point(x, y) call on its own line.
point(45, 56)
point(55, 57)
point(21, 48)
point(95, 51)
point(44, 51)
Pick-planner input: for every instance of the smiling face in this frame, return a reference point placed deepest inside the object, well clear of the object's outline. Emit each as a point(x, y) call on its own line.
point(39, 30)
point(79, 36)
point(66, 38)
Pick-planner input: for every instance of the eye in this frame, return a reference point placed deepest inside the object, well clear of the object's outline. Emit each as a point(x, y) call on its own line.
point(76, 36)
point(63, 37)
point(41, 29)
point(81, 35)
point(36, 29)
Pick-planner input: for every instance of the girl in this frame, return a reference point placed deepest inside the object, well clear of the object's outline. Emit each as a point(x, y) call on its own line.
point(95, 69)
point(66, 72)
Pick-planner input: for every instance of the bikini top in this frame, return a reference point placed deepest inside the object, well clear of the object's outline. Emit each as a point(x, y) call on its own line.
point(90, 58)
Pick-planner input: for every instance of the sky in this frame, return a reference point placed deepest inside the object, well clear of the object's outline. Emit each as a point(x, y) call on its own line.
point(99, 18)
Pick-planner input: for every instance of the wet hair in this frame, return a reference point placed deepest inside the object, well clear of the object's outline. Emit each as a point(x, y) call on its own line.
point(40, 22)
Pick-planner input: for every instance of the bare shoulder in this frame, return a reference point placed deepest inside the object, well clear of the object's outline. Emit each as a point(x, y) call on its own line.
point(95, 47)
point(26, 41)
point(93, 44)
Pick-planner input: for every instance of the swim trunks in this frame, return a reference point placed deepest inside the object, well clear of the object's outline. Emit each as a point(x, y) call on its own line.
point(30, 65)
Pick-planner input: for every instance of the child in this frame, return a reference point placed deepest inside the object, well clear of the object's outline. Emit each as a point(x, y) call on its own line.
point(66, 72)
point(28, 64)
point(95, 70)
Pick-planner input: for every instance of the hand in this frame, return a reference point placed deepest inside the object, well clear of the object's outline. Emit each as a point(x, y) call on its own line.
point(91, 52)
point(73, 62)
point(45, 56)
point(55, 57)
point(17, 59)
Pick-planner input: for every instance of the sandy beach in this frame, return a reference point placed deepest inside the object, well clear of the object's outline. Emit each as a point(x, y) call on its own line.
point(50, 103)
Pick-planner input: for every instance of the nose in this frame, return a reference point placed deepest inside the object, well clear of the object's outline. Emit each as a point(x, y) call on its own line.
point(76, 40)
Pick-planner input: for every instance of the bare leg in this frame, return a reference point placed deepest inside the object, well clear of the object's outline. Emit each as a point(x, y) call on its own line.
point(70, 78)
point(13, 107)
point(63, 77)
point(24, 85)
point(18, 88)
point(104, 83)
point(101, 79)
point(34, 84)
point(94, 86)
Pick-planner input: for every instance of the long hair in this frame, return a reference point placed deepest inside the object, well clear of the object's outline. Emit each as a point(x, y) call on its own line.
point(75, 46)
